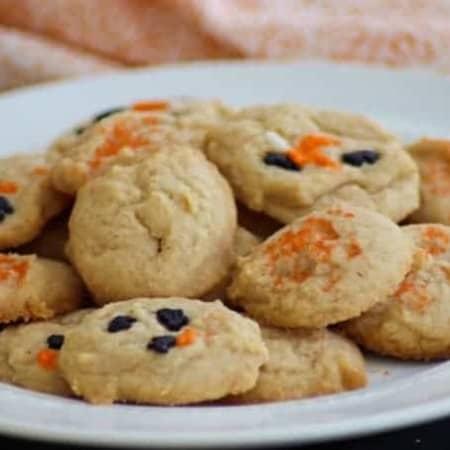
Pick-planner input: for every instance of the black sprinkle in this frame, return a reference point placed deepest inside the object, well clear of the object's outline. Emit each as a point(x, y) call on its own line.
point(280, 160)
point(5, 208)
point(5, 205)
point(121, 323)
point(55, 341)
point(162, 344)
point(106, 114)
point(172, 319)
point(79, 130)
point(360, 157)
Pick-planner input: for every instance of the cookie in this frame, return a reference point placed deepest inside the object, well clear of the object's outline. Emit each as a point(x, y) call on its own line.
point(29, 354)
point(122, 135)
point(169, 351)
point(51, 242)
point(433, 158)
point(36, 288)
point(324, 268)
point(283, 159)
point(415, 322)
point(163, 227)
point(306, 363)
point(27, 199)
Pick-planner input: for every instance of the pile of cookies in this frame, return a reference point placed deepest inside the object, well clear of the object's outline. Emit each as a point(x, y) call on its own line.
point(177, 252)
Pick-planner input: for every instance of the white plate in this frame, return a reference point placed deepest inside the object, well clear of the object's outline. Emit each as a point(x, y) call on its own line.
point(413, 103)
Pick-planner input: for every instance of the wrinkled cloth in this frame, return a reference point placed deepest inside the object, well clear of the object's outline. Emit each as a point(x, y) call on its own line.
point(46, 39)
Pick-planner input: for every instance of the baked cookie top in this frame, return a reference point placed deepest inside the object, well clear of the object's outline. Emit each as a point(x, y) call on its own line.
point(283, 159)
point(36, 288)
point(306, 363)
point(162, 227)
point(323, 268)
point(122, 135)
point(27, 199)
point(433, 159)
point(29, 354)
point(162, 351)
point(414, 323)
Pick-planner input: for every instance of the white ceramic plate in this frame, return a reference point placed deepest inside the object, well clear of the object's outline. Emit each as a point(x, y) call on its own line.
point(413, 103)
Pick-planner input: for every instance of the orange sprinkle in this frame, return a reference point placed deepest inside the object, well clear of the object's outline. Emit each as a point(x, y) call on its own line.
point(353, 249)
point(13, 268)
point(412, 296)
point(47, 359)
point(308, 151)
point(187, 337)
point(437, 240)
point(120, 136)
point(316, 236)
point(40, 170)
point(152, 105)
point(340, 213)
point(8, 187)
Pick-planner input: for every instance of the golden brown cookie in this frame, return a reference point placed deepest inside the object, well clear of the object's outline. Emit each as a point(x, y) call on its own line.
point(122, 135)
point(415, 322)
point(323, 268)
point(284, 159)
point(162, 227)
point(169, 351)
point(306, 363)
point(36, 288)
point(27, 199)
point(29, 354)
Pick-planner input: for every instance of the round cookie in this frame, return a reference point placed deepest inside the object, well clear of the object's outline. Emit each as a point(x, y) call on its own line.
point(324, 268)
point(29, 354)
point(433, 158)
point(27, 199)
point(283, 159)
point(415, 322)
point(306, 363)
point(51, 242)
point(122, 135)
point(36, 288)
point(170, 351)
point(163, 227)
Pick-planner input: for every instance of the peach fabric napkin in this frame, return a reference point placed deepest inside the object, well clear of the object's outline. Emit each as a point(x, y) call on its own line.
point(46, 39)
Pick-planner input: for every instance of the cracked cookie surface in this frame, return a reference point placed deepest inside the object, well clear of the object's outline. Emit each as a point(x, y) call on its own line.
point(414, 322)
point(162, 227)
point(124, 135)
point(285, 160)
point(162, 351)
point(323, 268)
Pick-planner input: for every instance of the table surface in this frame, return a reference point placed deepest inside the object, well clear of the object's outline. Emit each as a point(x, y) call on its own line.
point(432, 436)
